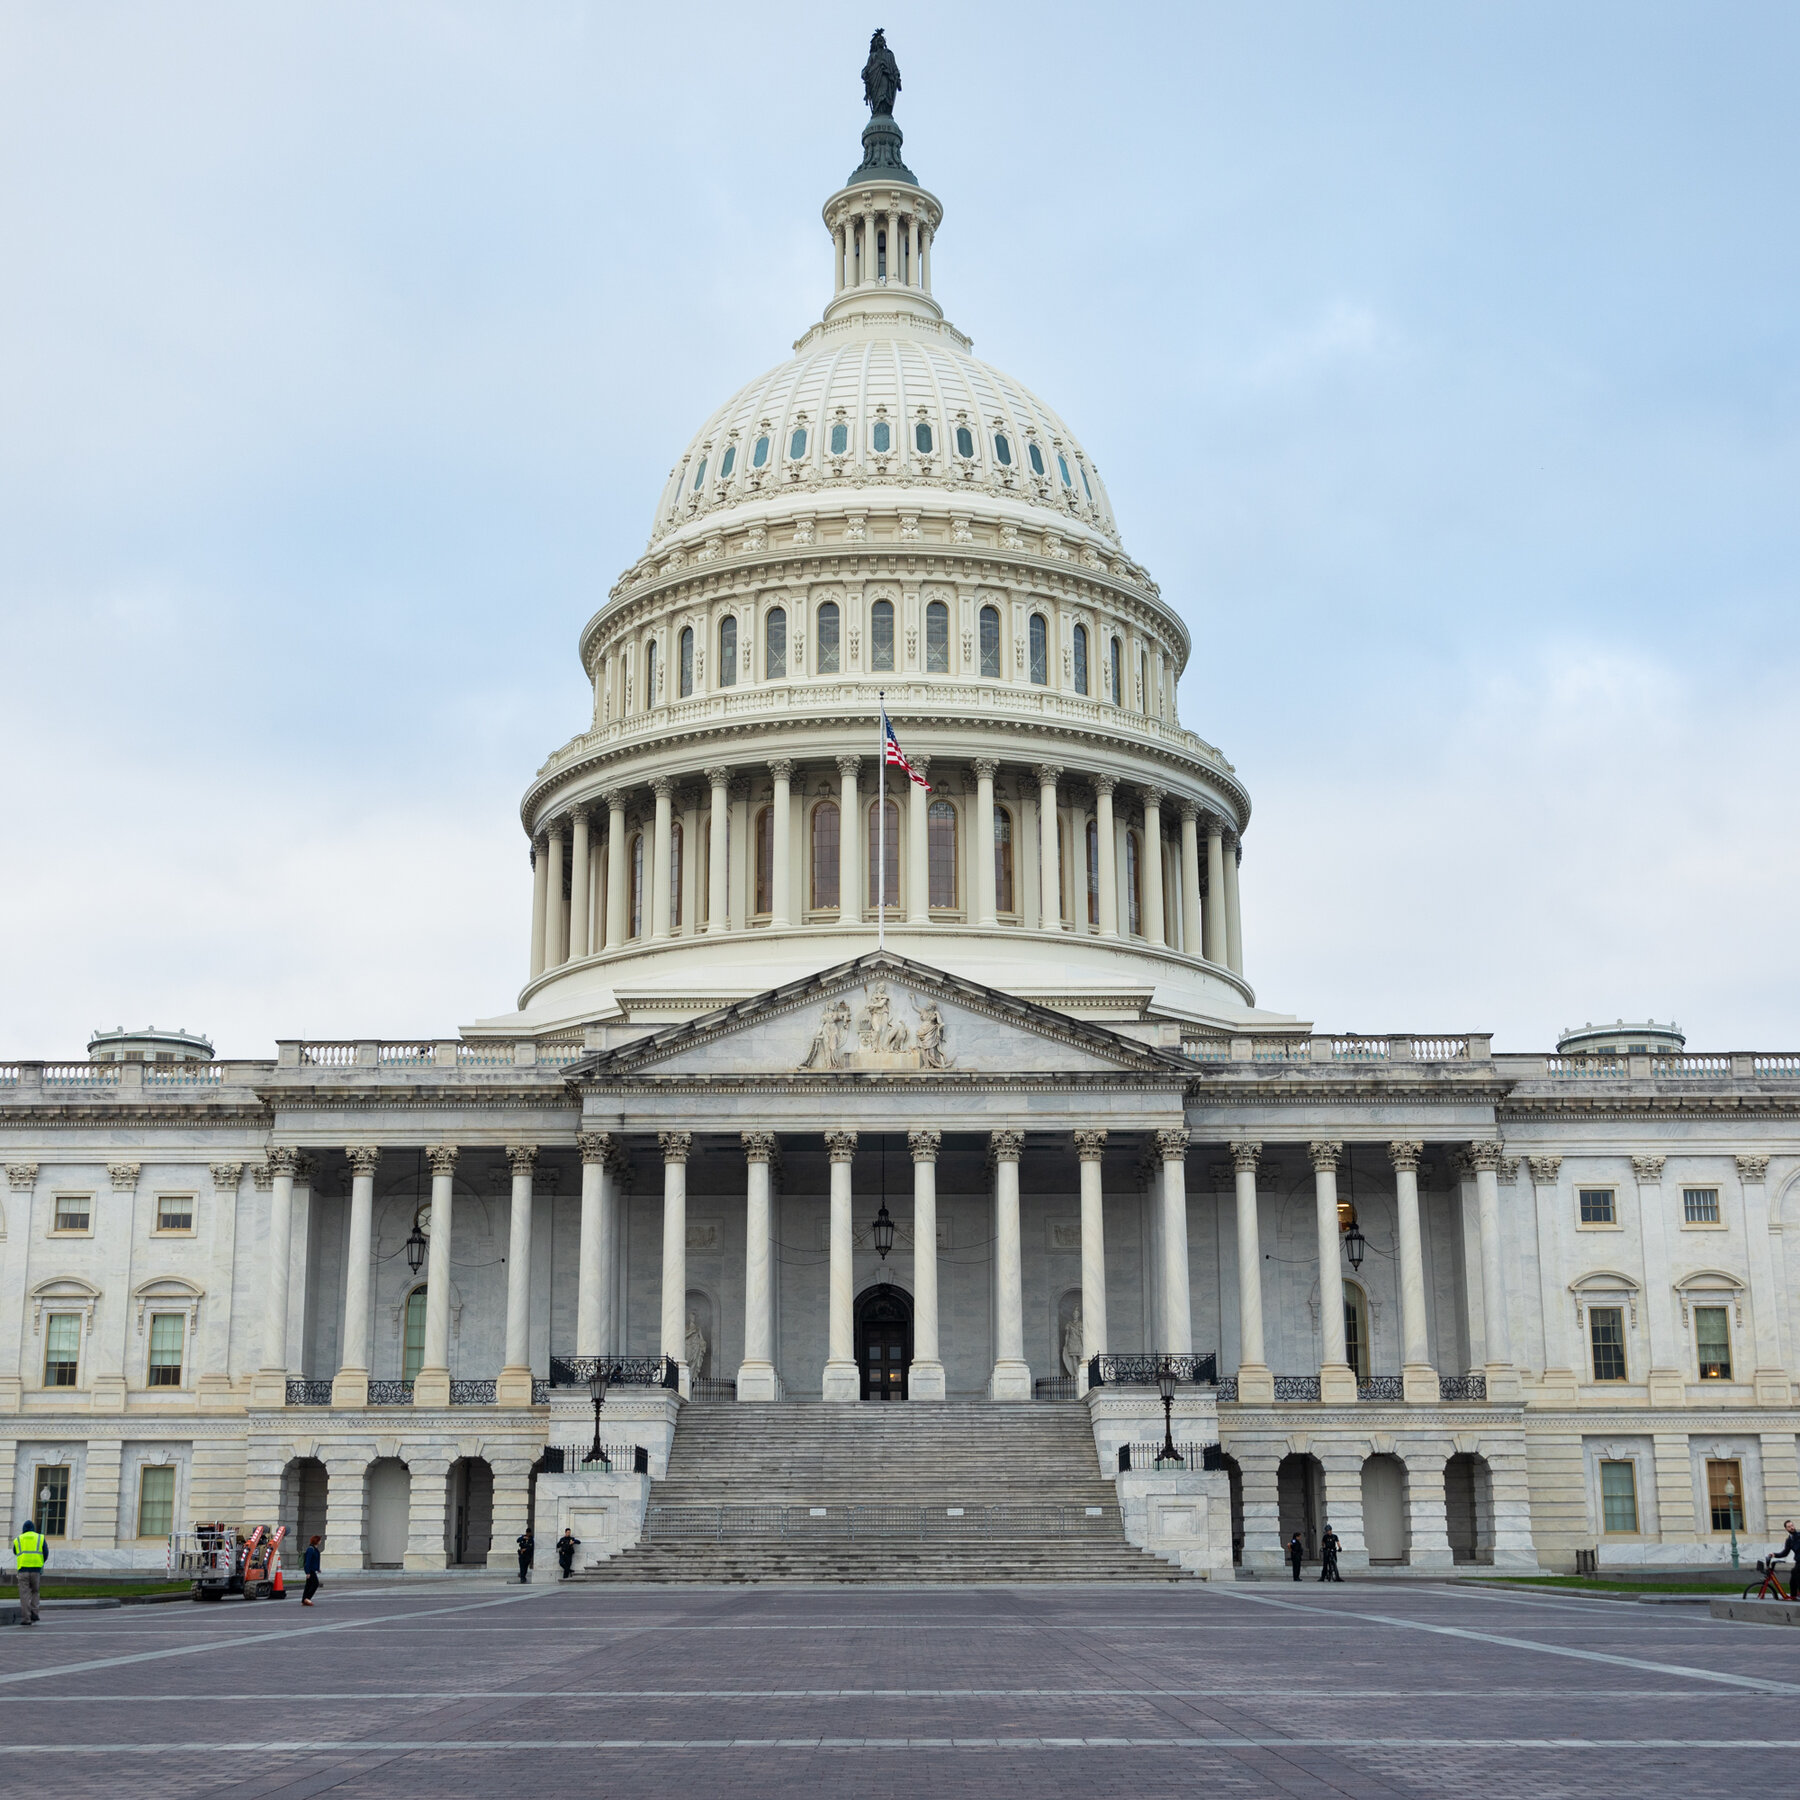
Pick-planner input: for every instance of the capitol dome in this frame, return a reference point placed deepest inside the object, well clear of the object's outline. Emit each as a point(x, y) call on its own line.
point(885, 520)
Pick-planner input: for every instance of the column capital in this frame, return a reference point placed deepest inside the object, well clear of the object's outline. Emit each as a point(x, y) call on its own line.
point(1246, 1153)
point(578, 813)
point(1105, 786)
point(1485, 1153)
point(596, 1146)
point(1172, 1146)
point(1324, 1154)
point(920, 760)
point(1153, 796)
point(263, 1174)
point(225, 1176)
point(363, 1158)
point(718, 775)
point(985, 767)
point(1752, 1169)
point(1646, 1170)
point(782, 767)
point(1048, 774)
point(1006, 1146)
point(123, 1176)
point(284, 1159)
point(523, 1158)
point(759, 1146)
point(614, 799)
point(1544, 1170)
point(442, 1158)
point(842, 1145)
point(1189, 809)
point(1090, 1146)
point(22, 1177)
point(675, 1145)
point(1405, 1154)
point(924, 1145)
point(662, 786)
point(847, 766)
point(555, 830)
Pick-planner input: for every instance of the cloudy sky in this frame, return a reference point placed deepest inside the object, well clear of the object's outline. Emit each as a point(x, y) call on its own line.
point(1443, 362)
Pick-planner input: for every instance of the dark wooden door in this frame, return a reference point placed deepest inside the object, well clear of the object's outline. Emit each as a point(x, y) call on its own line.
point(884, 1350)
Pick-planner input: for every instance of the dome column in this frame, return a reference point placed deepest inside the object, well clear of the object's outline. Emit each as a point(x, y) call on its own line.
point(1155, 931)
point(1049, 860)
point(912, 251)
point(663, 787)
point(781, 898)
point(579, 909)
point(540, 892)
point(1234, 930)
point(1107, 854)
point(925, 258)
point(840, 1378)
point(1191, 934)
point(985, 770)
point(718, 839)
point(851, 833)
point(1215, 936)
point(918, 853)
point(618, 876)
point(555, 918)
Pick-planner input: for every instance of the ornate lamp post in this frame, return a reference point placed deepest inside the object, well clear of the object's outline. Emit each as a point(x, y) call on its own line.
point(1731, 1515)
point(1355, 1243)
point(597, 1393)
point(883, 1232)
point(1165, 1385)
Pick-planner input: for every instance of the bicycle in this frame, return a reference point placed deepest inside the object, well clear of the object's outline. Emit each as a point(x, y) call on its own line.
point(1769, 1588)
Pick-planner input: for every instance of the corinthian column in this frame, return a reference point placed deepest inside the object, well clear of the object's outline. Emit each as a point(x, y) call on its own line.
point(1178, 1329)
point(1337, 1380)
point(1502, 1376)
point(1215, 932)
point(556, 943)
point(663, 787)
point(985, 770)
point(1011, 1379)
point(925, 1380)
point(270, 1386)
point(618, 872)
point(540, 891)
point(1107, 851)
point(850, 842)
point(1190, 878)
point(1155, 931)
point(1256, 1383)
point(578, 886)
point(351, 1388)
point(840, 1378)
point(431, 1387)
point(757, 1379)
point(1090, 1148)
point(593, 1277)
point(718, 842)
point(1418, 1378)
point(781, 814)
point(1049, 858)
point(514, 1386)
point(918, 854)
point(1234, 929)
point(675, 1147)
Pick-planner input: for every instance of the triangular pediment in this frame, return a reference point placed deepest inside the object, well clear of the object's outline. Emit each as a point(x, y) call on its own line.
point(882, 1015)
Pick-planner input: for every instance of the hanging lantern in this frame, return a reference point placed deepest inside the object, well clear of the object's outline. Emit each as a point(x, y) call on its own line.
point(884, 1231)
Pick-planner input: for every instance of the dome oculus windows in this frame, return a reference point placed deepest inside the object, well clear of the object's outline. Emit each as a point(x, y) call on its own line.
point(1037, 458)
point(1087, 486)
point(965, 441)
point(1062, 463)
point(840, 439)
point(759, 456)
point(881, 438)
point(922, 439)
point(797, 444)
point(728, 462)
point(937, 639)
point(1002, 450)
point(699, 474)
point(881, 635)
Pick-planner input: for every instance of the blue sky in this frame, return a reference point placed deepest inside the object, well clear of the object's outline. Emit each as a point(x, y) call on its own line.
point(1443, 363)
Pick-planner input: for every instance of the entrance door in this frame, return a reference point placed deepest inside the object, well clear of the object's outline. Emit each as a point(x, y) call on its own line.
point(884, 1345)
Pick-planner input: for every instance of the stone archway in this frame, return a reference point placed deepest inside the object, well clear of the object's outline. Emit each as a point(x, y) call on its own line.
point(1469, 1508)
point(387, 1504)
point(1384, 1508)
point(469, 1512)
point(1300, 1489)
point(305, 1492)
point(884, 1342)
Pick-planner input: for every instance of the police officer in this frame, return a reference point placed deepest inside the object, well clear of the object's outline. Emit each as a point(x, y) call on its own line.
point(31, 1550)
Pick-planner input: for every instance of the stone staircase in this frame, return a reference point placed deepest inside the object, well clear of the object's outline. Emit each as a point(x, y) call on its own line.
point(810, 1492)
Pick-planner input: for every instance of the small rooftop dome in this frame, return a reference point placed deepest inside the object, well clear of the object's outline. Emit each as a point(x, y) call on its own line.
point(149, 1045)
point(1620, 1039)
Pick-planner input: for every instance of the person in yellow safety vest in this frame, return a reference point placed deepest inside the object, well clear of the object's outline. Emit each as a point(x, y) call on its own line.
point(31, 1549)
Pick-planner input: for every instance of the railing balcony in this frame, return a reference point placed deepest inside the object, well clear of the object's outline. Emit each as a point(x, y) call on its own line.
point(1144, 1370)
point(301, 1392)
point(1297, 1387)
point(1462, 1387)
point(1381, 1387)
point(621, 1371)
point(1198, 1457)
point(390, 1393)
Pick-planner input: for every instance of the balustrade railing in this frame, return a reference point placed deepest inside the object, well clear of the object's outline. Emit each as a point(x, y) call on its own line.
point(82, 1074)
point(1603, 1064)
point(1296, 1387)
point(484, 1056)
point(621, 1371)
point(1145, 1370)
point(390, 1393)
point(1788, 1064)
point(1381, 1387)
point(1689, 1063)
point(9, 1074)
point(878, 1523)
point(1227, 1389)
point(616, 1459)
point(711, 1390)
point(560, 1052)
point(1055, 1387)
point(1440, 1049)
point(1359, 1049)
point(328, 1056)
point(184, 1074)
point(1148, 1455)
point(302, 1392)
point(1281, 1050)
point(1462, 1387)
point(404, 1056)
point(473, 1393)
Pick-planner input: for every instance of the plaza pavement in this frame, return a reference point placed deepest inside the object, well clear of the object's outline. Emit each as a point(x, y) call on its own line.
point(475, 1688)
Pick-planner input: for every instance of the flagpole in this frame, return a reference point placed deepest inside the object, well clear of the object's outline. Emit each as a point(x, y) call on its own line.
point(881, 821)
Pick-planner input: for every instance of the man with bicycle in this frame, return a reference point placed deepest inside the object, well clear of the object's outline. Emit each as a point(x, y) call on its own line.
point(1771, 1575)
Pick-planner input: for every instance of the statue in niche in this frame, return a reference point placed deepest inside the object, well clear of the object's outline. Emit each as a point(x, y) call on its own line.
point(932, 1054)
point(695, 1347)
point(831, 1042)
point(880, 76)
point(877, 1028)
point(1071, 1344)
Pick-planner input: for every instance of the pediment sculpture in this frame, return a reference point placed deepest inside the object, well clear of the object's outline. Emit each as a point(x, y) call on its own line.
point(874, 1037)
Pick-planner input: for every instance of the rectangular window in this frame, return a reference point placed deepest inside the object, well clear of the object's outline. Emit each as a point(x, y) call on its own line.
point(1597, 1206)
point(175, 1212)
point(765, 861)
point(1606, 1331)
point(828, 639)
point(1618, 1497)
point(62, 1349)
point(940, 826)
point(1700, 1206)
point(168, 1333)
point(1712, 1335)
point(50, 1501)
point(825, 854)
point(156, 1502)
point(1725, 1495)
point(73, 1211)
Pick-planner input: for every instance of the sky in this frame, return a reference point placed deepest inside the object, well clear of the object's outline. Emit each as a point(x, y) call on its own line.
point(1443, 363)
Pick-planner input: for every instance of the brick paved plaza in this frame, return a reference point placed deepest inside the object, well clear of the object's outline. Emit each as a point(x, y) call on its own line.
point(453, 1688)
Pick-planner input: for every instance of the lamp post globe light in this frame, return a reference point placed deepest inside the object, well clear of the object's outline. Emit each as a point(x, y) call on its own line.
point(883, 1232)
point(597, 1393)
point(1355, 1244)
point(415, 1249)
point(1731, 1516)
point(1165, 1386)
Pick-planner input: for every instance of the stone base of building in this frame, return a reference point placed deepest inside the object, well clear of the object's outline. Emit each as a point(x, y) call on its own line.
point(1183, 1517)
point(604, 1510)
point(841, 1381)
point(758, 1381)
point(1010, 1381)
point(925, 1381)
point(350, 1387)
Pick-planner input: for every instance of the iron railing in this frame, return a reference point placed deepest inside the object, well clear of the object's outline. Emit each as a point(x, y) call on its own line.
point(1142, 1371)
point(877, 1523)
point(621, 1371)
point(1381, 1387)
point(1055, 1387)
point(1462, 1387)
point(561, 1459)
point(711, 1390)
point(390, 1393)
point(1296, 1387)
point(473, 1393)
point(1227, 1389)
point(308, 1393)
point(1204, 1457)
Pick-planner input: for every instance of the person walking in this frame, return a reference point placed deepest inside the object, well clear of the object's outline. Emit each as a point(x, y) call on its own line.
point(1296, 1553)
point(1329, 1546)
point(527, 1554)
point(31, 1550)
point(566, 1546)
point(309, 1561)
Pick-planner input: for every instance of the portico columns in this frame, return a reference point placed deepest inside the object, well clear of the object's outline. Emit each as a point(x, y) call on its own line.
point(850, 829)
point(1190, 878)
point(840, 1378)
point(593, 1278)
point(556, 943)
point(781, 900)
point(1011, 1379)
point(270, 1386)
point(757, 1379)
point(1770, 1374)
point(1256, 1383)
point(1215, 931)
point(351, 1388)
point(663, 787)
point(718, 840)
point(1502, 1377)
point(1337, 1380)
point(1418, 1378)
point(431, 1387)
point(1107, 852)
point(618, 872)
point(1049, 860)
point(985, 769)
point(675, 1147)
point(1155, 931)
point(514, 1386)
point(1234, 931)
point(918, 853)
point(578, 886)
point(925, 1380)
point(1171, 1148)
point(1090, 1149)
point(540, 889)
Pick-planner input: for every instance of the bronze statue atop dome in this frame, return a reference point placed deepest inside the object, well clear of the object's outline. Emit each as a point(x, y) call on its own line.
point(880, 76)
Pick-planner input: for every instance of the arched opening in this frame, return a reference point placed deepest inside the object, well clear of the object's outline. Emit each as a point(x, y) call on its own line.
point(1040, 650)
point(1117, 674)
point(387, 1506)
point(637, 884)
point(1384, 1509)
point(1356, 1329)
point(990, 642)
point(728, 651)
point(937, 638)
point(469, 1512)
point(1091, 837)
point(686, 642)
point(1134, 886)
point(827, 638)
point(884, 852)
point(824, 859)
point(1235, 1476)
point(1081, 659)
point(1300, 1491)
point(676, 859)
point(1003, 861)
point(412, 1334)
point(650, 675)
point(775, 645)
point(940, 824)
point(881, 635)
point(1469, 1509)
point(765, 861)
point(884, 1341)
point(305, 1493)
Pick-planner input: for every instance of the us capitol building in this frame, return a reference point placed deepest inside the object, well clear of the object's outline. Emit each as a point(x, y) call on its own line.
point(933, 1190)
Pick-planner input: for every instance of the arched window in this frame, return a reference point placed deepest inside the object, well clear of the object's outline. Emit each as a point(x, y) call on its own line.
point(1143, 681)
point(1003, 861)
point(828, 638)
point(412, 1343)
point(881, 635)
point(686, 677)
point(650, 675)
point(840, 439)
point(759, 457)
point(940, 826)
point(1093, 873)
point(699, 474)
point(728, 462)
point(1356, 1330)
point(1002, 450)
point(990, 642)
point(765, 861)
point(637, 884)
point(1118, 698)
point(885, 854)
point(1134, 885)
point(1081, 659)
point(702, 869)
point(937, 638)
point(675, 859)
point(797, 444)
point(825, 854)
point(728, 652)
point(922, 438)
point(1040, 650)
point(881, 439)
point(775, 644)
point(1037, 458)
point(965, 441)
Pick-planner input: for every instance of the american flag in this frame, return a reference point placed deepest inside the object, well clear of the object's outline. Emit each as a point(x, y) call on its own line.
point(896, 757)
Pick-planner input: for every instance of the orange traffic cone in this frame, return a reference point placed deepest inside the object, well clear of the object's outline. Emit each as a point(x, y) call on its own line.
point(280, 1588)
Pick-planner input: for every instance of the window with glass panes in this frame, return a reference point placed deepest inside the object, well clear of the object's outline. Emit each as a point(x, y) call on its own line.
point(881, 635)
point(62, 1349)
point(1725, 1494)
point(675, 862)
point(1712, 1338)
point(1003, 861)
point(1040, 650)
point(728, 655)
point(167, 1336)
point(175, 1212)
point(937, 638)
point(73, 1211)
point(1700, 1206)
point(826, 639)
point(156, 1502)
point(765, 860)
point(884, 853)
point(1618, 1497)
point(990, 642)
point(1596, 1206)
point(825, 854)
point(940, 824)
point(50, 1500)
point(1092, 836)
point(775, 645)
point(1606, 1333)
point(412, 1350)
